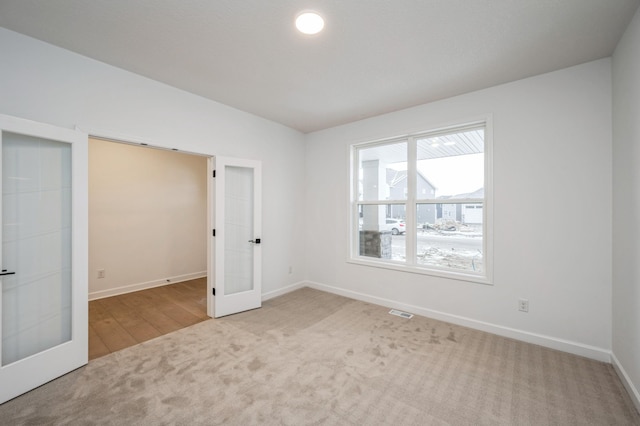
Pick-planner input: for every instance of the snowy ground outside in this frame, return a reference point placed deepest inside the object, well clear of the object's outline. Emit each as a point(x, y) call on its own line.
point(451, 249)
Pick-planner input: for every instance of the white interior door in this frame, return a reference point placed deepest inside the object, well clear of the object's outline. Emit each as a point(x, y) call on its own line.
point(236, 248)
point(43, 297)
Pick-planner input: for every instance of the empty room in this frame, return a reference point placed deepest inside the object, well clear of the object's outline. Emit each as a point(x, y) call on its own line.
point(417, 212)
point(147, 243)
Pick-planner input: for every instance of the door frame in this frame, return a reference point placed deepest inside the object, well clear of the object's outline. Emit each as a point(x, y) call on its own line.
point(211, 196)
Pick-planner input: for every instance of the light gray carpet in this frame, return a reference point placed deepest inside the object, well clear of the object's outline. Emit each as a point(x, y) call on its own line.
point(310, 358)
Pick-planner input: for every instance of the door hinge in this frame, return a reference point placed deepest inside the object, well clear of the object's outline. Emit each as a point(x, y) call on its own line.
point(214, 232)
point(213, 290)
point(214, 173)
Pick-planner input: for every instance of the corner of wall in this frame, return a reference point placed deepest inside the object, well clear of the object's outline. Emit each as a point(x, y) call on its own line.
point(634, 394)
point(626, 194)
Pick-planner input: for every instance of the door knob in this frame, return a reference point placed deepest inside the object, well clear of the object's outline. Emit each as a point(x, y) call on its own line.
point(4, 272)
point(256, 241)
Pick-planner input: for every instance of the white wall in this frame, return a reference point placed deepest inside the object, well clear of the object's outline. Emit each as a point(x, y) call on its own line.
point(626, 207)
point(552, 160)
point(147, 217)
point(47, 84)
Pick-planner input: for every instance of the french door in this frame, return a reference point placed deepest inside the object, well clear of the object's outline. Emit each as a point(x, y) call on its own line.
point(236, 246)
point(43, 297)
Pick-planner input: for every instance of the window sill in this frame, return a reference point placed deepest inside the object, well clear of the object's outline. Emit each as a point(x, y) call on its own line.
point(453, 275)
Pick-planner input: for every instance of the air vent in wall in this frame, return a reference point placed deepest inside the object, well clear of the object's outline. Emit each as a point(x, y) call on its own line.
point(401, 314)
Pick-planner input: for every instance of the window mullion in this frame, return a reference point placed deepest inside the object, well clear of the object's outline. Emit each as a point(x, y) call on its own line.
point(410, 219)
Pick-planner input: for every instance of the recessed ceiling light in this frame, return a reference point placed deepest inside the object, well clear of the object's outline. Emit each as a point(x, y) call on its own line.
point(309, 23)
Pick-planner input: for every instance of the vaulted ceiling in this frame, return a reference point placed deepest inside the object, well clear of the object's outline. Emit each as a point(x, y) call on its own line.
point(374, 56)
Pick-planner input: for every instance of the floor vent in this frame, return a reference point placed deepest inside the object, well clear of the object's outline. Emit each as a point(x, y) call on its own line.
point(401, 314)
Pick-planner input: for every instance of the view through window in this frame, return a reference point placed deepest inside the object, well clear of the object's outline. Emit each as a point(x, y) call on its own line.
point(419, 201)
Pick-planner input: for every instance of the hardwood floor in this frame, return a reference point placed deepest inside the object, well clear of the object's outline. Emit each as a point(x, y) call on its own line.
point(118, 322)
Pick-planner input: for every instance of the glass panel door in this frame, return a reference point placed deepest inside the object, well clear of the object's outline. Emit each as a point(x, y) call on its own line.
point(43, 284)
point(236, 248)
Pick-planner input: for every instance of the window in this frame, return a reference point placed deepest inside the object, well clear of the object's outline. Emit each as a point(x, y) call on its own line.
point(420, 202)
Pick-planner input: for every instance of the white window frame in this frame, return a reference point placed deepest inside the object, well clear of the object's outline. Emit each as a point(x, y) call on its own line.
point(411, 202)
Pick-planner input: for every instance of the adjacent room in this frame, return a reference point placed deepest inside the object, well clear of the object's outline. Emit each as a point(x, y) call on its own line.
point(147, 243)
point(424, 212)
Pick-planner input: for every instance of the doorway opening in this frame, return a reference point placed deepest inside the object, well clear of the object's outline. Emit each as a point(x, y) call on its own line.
point(148, 241)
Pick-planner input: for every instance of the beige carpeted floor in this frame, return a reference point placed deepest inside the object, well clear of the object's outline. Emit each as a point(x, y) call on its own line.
point(310, 358)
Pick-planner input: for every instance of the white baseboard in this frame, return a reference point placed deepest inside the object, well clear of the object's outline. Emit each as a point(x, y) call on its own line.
point(626, 381)
point(525, 336)
point(284, 290)
point(143, 286)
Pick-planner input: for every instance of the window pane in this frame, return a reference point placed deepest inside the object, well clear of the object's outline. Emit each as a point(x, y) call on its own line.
point(382, 172)
point(450, 236)
point(382, 231)
point(451, 165)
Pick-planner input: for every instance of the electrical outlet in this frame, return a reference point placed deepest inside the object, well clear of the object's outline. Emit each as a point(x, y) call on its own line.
point(523, 305)
point(101, 273)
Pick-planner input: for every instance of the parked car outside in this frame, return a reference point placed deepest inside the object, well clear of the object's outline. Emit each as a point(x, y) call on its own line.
point(396, 226)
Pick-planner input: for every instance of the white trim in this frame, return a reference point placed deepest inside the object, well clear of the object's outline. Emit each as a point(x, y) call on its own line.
point(634, 394)
point(120, 137)
point(401, 267)
point(146, 285)
point(134, 140)
point(80, 242)
point(284, 290)
point(211, 240)
point(487, 206)
point(352, 194)
point(575, 348)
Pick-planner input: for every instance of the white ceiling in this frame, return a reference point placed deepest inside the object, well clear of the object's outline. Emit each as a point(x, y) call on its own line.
point(375, 56)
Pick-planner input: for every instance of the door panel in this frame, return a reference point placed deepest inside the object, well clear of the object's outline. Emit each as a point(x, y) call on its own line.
point(237, 245)
point(43, 304)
